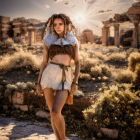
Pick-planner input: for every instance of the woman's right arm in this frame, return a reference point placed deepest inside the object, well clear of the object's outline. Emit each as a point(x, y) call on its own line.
point(44, 63)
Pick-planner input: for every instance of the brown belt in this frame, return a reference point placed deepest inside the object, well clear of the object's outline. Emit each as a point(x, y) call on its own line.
point(63, 67)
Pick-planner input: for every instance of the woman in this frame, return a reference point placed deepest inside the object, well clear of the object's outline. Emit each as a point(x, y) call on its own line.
point(60, 46)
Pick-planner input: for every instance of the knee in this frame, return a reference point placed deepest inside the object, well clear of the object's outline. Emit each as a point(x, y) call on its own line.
point(55, 113)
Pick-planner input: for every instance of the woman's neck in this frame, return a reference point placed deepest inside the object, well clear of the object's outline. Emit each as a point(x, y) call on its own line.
point(61, 35)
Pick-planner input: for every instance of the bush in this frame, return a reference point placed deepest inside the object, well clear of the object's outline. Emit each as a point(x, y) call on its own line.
point(93, 54)
point(133, 59)
point(124, 76)
point(96, 71)
point(101, 70)
point(18, 60)
point(9, 42)
point(105, 70)
point(87, 63)
point(136, 78)
point(117, 108)
point(117, 57)
point(85, 76)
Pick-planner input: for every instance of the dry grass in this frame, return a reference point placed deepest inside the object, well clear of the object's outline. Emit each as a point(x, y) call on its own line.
point(101, 70)
point(117, 57)
point(136, 78)
point(124, 76)
point(97, 54)
point(133, 59)
point(85, 77)
point(19, 59)
point(96, 71)
point(9, 42)
point(87, 63)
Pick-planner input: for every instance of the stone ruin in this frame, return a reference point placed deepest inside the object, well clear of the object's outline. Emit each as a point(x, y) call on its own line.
point(130, 38)
point(86, 36)
point(22, 30)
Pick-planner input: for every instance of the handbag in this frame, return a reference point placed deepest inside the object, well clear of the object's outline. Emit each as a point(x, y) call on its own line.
point(69, 100)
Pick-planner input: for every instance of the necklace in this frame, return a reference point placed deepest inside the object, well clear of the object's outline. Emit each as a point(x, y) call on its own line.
point(62, 43)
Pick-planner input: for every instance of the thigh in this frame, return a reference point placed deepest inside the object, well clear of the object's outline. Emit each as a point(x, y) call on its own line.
point(60, 100)
point(49, 97)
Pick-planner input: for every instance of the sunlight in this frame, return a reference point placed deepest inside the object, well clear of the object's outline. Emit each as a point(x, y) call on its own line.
point(80, 18)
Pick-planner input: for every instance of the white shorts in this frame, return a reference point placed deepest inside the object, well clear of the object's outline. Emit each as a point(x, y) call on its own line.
point(52, 77)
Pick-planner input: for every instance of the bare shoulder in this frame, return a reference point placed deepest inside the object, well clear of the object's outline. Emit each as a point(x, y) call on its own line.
point(76, 43)
point(45, 47)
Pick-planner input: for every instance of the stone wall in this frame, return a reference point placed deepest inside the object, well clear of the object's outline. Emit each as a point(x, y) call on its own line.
point(19, 29)
point(6, 49)
point(87, 36)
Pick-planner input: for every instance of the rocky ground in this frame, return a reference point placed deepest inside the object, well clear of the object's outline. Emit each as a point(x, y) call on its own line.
point(11, 129)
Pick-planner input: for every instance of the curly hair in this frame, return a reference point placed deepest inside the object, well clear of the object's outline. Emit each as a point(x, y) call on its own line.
point(66, 20)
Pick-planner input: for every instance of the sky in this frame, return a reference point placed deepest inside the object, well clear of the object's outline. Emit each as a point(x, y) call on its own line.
point(85, 14)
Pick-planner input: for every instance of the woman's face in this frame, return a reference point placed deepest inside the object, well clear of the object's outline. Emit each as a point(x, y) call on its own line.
point(58, 25)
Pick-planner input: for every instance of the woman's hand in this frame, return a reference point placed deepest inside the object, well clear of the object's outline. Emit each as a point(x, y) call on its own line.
point(38, 89)
point(73, 88)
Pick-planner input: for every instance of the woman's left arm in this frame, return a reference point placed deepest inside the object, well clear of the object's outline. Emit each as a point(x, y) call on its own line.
point(77, 62)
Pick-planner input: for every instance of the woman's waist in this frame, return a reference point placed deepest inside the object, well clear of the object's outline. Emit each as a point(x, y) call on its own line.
point(65, 60)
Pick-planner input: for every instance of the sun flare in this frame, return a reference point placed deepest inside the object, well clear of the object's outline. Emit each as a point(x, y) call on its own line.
point(80, 18)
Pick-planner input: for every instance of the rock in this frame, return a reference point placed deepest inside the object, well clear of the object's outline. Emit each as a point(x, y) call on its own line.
point(16, 106)
point(5, 107)
point(3, 114)
point(30, 107)
point(110, 133)
point(43, 114)
point(99, 134)
point(74, 135)
point(18, 98)
point(23, 107)
point(78, 93)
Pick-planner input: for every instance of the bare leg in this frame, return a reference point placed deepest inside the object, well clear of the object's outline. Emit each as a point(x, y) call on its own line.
point(49, 96)
point(59, 101)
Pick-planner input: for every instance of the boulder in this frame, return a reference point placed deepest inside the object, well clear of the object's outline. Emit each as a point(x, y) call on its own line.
point(78, 94)
point(43, 114)
point(23, 107)
point(18, 97)
point(110, 133)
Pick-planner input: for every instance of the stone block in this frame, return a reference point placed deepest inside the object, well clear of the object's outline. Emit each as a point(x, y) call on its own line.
point(18, 97)
point(110, 133)
point(23, 107)
point(43, 114)
point(16, 106)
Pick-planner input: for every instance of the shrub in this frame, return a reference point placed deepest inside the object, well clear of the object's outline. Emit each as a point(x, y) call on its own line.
point(97, 54)
point(136, 78)
point(105, 70)
point(101, 70)
point(96, 71)
point(9, 42)
point(87, 63)
point(117, 109)
point(18, 60)
point(117, 57)
point(124, 76)
point(85, 76)
point(133, 59)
